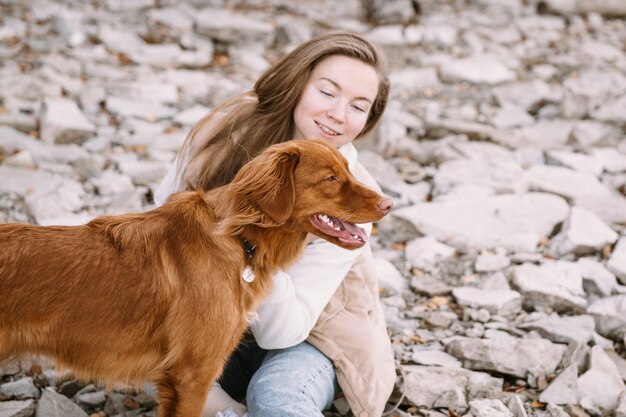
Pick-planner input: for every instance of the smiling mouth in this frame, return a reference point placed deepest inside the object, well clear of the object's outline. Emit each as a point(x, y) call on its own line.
point(327, 130)
point(346, 232)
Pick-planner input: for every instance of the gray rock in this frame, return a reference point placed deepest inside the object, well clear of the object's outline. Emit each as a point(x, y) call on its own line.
point(426, 252)
point(479, 69)
point(555, 285)
point(582, 189)
point(507, 355)
point(143, 172)
point(21, 389)
point(504, 176)
point(438, 387)
point(429, 286)
point(528, 94)
point(614, 8)
point(600, 387)
point(125, 107)
point(17, 408)
point(489, 408)
point(91, 399)
point(514, 222)
point(435, 358)
point(564, 389)
point(52, 404)
point(617, 261)
point(583, 233)
point(610, 316)
point(500, 302)
point(63, 122)
point(596, 278)
point(543, 135)
point(566, 329)
point(232, 27)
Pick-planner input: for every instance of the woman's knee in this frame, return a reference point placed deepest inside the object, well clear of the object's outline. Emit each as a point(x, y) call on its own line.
point(292, 382)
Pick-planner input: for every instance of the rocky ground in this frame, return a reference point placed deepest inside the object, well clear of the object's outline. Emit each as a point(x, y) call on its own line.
point(503, 265)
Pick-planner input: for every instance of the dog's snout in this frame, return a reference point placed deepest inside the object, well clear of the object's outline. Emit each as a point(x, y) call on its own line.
point(385, 205)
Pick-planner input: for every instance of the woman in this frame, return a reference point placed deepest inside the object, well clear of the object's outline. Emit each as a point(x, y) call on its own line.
point(322, 327)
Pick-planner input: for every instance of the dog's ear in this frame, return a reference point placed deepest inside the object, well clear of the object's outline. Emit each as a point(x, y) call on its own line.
point(267, 183)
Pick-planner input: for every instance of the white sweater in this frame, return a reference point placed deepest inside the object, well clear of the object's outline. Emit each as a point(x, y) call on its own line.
point(300, 294)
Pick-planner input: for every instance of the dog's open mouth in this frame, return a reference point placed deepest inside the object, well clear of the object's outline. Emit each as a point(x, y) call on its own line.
point(346, 232)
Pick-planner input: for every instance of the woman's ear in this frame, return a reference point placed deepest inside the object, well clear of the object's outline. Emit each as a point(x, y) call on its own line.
point(267, 183)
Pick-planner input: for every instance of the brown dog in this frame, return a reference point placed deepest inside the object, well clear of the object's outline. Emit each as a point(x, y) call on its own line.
point(159, 295)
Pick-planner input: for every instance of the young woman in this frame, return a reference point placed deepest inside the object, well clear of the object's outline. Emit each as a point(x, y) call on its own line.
point(322, 328)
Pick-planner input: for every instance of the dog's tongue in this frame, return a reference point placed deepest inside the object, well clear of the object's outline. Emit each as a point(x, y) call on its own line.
point(351, 230)
point(345, 231)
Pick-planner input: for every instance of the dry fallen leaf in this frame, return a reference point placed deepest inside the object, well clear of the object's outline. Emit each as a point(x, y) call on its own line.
point(538, 404)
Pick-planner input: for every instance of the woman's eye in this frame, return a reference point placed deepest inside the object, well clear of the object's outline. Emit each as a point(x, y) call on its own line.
point(359, 109)
point(326, 93)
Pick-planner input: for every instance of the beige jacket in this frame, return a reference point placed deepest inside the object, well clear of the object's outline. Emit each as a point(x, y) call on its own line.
point(351, 331)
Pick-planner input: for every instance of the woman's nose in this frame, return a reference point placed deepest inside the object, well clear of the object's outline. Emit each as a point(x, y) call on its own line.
point(337, 112)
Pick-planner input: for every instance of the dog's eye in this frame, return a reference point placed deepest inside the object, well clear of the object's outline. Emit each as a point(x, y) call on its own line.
point(332, 178)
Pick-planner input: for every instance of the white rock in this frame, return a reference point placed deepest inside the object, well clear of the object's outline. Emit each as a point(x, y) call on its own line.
point(514, 222)
point(500, 302)
point(610, 315)
point(596, 277)
point(489, 262)
point(564, 329)
point(433, 386)
point(612, 159)
point(617, 261)
point(389, 278)
point(564, 389)
point(508, 355)
point(479, 69)
point(556, 285)
point(232, 27)
point(504, 176)
point(63, 122)
point(577, 161)
point(413, 80)
point(584, 190)
point(583, 233)
point(542, 135)
point(125, 107)
point(601, 386)
point(426, 252)
point(144, 172)
point(192, 115)
point(527, 94)
point(612, 111)
point(489, 408)
point(435, 358)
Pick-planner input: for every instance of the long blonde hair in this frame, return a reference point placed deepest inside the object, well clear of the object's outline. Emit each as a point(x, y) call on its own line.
point(239, 129)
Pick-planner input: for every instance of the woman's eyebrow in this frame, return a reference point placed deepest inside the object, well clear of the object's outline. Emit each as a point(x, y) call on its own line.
point(339, 88)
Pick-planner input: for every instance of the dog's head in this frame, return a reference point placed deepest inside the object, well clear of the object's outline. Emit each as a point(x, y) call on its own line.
point(307, 185)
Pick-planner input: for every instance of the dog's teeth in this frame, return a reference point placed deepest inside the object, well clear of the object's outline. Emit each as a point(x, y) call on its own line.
point(323, 218)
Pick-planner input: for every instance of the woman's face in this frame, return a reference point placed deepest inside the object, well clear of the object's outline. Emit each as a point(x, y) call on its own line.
point(336, 100)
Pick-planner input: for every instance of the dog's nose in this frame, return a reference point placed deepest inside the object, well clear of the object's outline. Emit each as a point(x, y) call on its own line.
point(385, 204)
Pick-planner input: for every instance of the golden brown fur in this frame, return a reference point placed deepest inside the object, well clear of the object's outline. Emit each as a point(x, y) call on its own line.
point(159, 295)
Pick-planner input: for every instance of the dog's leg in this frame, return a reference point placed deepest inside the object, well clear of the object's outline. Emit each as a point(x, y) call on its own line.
point(182, 393)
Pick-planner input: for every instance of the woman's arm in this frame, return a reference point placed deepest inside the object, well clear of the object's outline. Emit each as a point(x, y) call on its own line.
point(301, 293)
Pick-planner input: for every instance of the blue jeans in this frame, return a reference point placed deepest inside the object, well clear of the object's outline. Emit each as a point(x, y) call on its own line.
point(294, 382)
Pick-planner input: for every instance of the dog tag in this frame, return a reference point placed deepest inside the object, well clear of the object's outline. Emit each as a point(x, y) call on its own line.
point(248, 274)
